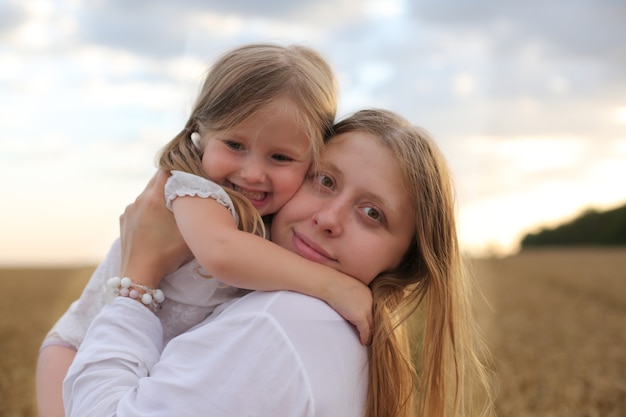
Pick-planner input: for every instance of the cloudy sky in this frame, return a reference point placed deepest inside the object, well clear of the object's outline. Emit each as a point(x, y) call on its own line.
point(526, 99)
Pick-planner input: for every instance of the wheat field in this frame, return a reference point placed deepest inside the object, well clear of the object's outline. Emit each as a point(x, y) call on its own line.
point(554, 319)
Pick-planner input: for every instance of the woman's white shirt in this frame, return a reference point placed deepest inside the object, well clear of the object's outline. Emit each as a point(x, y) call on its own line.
point(265, 354)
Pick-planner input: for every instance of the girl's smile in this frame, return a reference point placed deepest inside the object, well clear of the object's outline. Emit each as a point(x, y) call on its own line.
point(256, 197)
point(265, 157)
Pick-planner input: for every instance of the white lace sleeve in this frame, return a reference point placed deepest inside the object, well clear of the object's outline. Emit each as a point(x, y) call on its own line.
point(181, 184)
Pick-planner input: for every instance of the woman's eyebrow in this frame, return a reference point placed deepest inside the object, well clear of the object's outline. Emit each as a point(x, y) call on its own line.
point(386, 204)
point(331, 167)
point(391, 206)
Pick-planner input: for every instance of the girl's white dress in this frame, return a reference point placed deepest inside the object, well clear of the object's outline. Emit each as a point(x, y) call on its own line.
point(190, 295)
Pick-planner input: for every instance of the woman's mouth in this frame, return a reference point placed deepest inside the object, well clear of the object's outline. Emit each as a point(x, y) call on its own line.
point(308, 249)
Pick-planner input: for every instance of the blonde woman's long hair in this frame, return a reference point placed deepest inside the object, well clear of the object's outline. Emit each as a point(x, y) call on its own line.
point(430, 382)
point(240, 83)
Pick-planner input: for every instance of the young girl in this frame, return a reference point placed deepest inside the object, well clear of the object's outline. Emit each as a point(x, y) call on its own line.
point(380, 208)
point(257, 126)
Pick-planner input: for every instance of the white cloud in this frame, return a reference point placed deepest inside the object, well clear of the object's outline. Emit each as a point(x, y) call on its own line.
point(525, 101)
point(464, 84)
point(620, 115)
point(537, 154)
point(385, 8)
point(619, 147)
point(559, 85)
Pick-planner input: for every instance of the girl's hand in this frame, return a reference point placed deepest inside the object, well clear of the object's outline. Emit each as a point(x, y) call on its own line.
point(353, 300)
point(152, 246)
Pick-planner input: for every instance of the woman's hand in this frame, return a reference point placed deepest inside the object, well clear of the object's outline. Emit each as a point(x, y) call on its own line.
point(152, 246)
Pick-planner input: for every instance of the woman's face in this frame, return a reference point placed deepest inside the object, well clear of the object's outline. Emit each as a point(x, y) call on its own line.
point(354, 215)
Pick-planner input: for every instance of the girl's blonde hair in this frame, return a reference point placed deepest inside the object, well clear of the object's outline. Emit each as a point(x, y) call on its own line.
point(240, 83)
point(430, 279)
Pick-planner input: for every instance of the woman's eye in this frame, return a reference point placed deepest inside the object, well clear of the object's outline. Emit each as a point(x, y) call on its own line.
point(373, 214)
point(236, 146)
point(324, 181)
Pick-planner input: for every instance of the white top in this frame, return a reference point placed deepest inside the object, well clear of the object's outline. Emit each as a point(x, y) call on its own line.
point(190, 297)
point(265, 354)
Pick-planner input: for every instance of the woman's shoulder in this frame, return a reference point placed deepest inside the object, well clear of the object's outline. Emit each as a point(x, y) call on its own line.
point(307, 331)
point(303, 318)
point(288, 304)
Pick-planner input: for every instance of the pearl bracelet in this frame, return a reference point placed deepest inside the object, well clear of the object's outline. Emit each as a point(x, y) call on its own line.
point(125, 287)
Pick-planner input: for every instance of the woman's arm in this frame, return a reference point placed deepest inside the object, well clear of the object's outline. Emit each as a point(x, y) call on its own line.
point(248, 261)
point(120, 369)
point(152, 245)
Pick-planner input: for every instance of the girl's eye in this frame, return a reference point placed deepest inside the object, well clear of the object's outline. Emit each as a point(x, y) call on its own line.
point(373, 214)
point(236, 146)
point(281, 158)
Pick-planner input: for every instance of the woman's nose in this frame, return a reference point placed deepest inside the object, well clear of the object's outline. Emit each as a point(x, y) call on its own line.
point(331, 218)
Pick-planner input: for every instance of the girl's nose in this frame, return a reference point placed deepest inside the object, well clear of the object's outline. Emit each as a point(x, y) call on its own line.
point(253, 171)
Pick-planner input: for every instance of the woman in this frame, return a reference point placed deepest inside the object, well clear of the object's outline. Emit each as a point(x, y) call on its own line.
point(380, 208)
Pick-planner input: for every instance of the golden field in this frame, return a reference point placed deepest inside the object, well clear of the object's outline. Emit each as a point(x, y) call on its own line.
point(556, 326)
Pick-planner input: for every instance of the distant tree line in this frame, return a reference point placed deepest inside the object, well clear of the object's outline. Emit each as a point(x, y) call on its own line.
point(592, 228)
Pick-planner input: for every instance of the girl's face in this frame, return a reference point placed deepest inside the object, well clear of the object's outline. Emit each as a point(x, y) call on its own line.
point(265, 157)
point(354, 215)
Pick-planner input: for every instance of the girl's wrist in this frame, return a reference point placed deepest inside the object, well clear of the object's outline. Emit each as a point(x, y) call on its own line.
point(333, 291)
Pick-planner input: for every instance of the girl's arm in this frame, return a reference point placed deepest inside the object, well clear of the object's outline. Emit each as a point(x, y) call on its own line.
point(52, 366)
point(66, 335)
point(248, 261)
